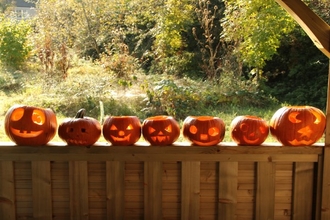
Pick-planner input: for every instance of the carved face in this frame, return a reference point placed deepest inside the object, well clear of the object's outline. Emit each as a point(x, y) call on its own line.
point(122, 130)
point(298, 125)
point(249, 130)
point(28, 125)
point(204, 130)
point(160, 130)
point(80, 131)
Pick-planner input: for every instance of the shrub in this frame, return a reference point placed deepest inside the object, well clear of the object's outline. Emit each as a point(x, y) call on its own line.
point(14, 47)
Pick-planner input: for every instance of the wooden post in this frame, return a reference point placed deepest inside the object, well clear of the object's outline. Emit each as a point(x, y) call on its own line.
point(325, 205)
point(190, 190)
point(42, 190)
point(265, 193)
point(115, 174)
point(7, 191)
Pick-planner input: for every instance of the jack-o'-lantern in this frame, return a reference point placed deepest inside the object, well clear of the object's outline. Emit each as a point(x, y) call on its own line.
point(122, 130)
point(160, 130)
point(29, 125)
point(298, 125)
point(80, 130)
point(249, 130)
point(204, 130)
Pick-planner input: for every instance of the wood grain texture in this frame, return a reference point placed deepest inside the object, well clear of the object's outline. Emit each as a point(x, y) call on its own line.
point(303, 177)
point(228, 174)
point(78, 190)
point(265, 191)
point(115, 172)
point(153, 190)
point(7, 191)
point(190, 190)
point(41, 190)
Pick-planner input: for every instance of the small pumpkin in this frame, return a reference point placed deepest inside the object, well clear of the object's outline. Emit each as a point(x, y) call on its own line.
point(298, 125)
point(122, 130)
point(160, 130)
point(204, 130)
point(30, 125)
point(249, 130)
point(80, 130)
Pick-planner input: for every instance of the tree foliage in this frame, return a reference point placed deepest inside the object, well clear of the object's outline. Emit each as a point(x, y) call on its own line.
point(258, 26)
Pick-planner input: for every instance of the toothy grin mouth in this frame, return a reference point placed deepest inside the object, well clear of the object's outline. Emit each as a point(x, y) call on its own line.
point(25, 133)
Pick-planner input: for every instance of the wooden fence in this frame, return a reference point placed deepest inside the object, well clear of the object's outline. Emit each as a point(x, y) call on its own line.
point(176, 182)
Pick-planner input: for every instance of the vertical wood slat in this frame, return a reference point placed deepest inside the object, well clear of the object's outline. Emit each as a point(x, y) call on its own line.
point(7, 191)
point(115, 172)
point(41, 190)
point(190, 190)
point(228, 173)
point(325, 204)
point(303, 175)
point(265, 193)
point(318, 190)
point(153, 171)
point(78, 177)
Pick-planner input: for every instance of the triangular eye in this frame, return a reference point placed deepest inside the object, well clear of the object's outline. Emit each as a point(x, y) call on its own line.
point(113, 128)
point(168, 129)
point(151, 130)
point(129, 127)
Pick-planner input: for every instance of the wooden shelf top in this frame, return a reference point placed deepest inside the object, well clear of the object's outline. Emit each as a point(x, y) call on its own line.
point(142, 151)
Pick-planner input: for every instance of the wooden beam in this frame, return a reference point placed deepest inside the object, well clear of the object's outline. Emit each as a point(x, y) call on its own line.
point(316, 28)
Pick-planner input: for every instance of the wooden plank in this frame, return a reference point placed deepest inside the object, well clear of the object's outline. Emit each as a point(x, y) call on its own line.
point(303, 191)
point(265, 191)
point(115, 171)
point(153, 190)
point(41, 190)
point(7, 191)
point(171, 153)
point(325, 204)
point(190, 190)
point(228, 173)
point(316, 28)
point(79, 208)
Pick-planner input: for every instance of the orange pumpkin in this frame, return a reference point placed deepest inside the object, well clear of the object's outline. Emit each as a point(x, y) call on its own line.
point(249, 130)
point(298, 125)
point(204, 130)
point(122, 130)
point(29, 125)
point(160, 130)
point(80, 131)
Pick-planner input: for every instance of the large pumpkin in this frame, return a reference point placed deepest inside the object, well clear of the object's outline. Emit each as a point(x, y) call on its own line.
point(298, 125)
point(80, 131)
point(29, 125)
point(249, 130)
point(122, 130)
point(160, 130)
point(204, 130)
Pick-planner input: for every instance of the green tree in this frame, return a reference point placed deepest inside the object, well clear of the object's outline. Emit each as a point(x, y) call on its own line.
point(14, 44)
point(258, 26)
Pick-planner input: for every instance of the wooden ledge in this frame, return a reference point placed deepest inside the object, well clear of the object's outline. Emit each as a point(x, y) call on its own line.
point(142, 151)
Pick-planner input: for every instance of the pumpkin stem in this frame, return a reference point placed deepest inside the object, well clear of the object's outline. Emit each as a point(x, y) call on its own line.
point(80, 113)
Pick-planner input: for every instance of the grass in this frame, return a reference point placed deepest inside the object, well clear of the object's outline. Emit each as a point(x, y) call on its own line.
point(89, 86)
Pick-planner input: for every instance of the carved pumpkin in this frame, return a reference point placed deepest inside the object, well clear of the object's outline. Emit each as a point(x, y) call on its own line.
point(160, 130)
point(249, 130)
point(80, 131)
point(204, 130)
point(29, 125)
point(122, 130)
point(298, 125)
